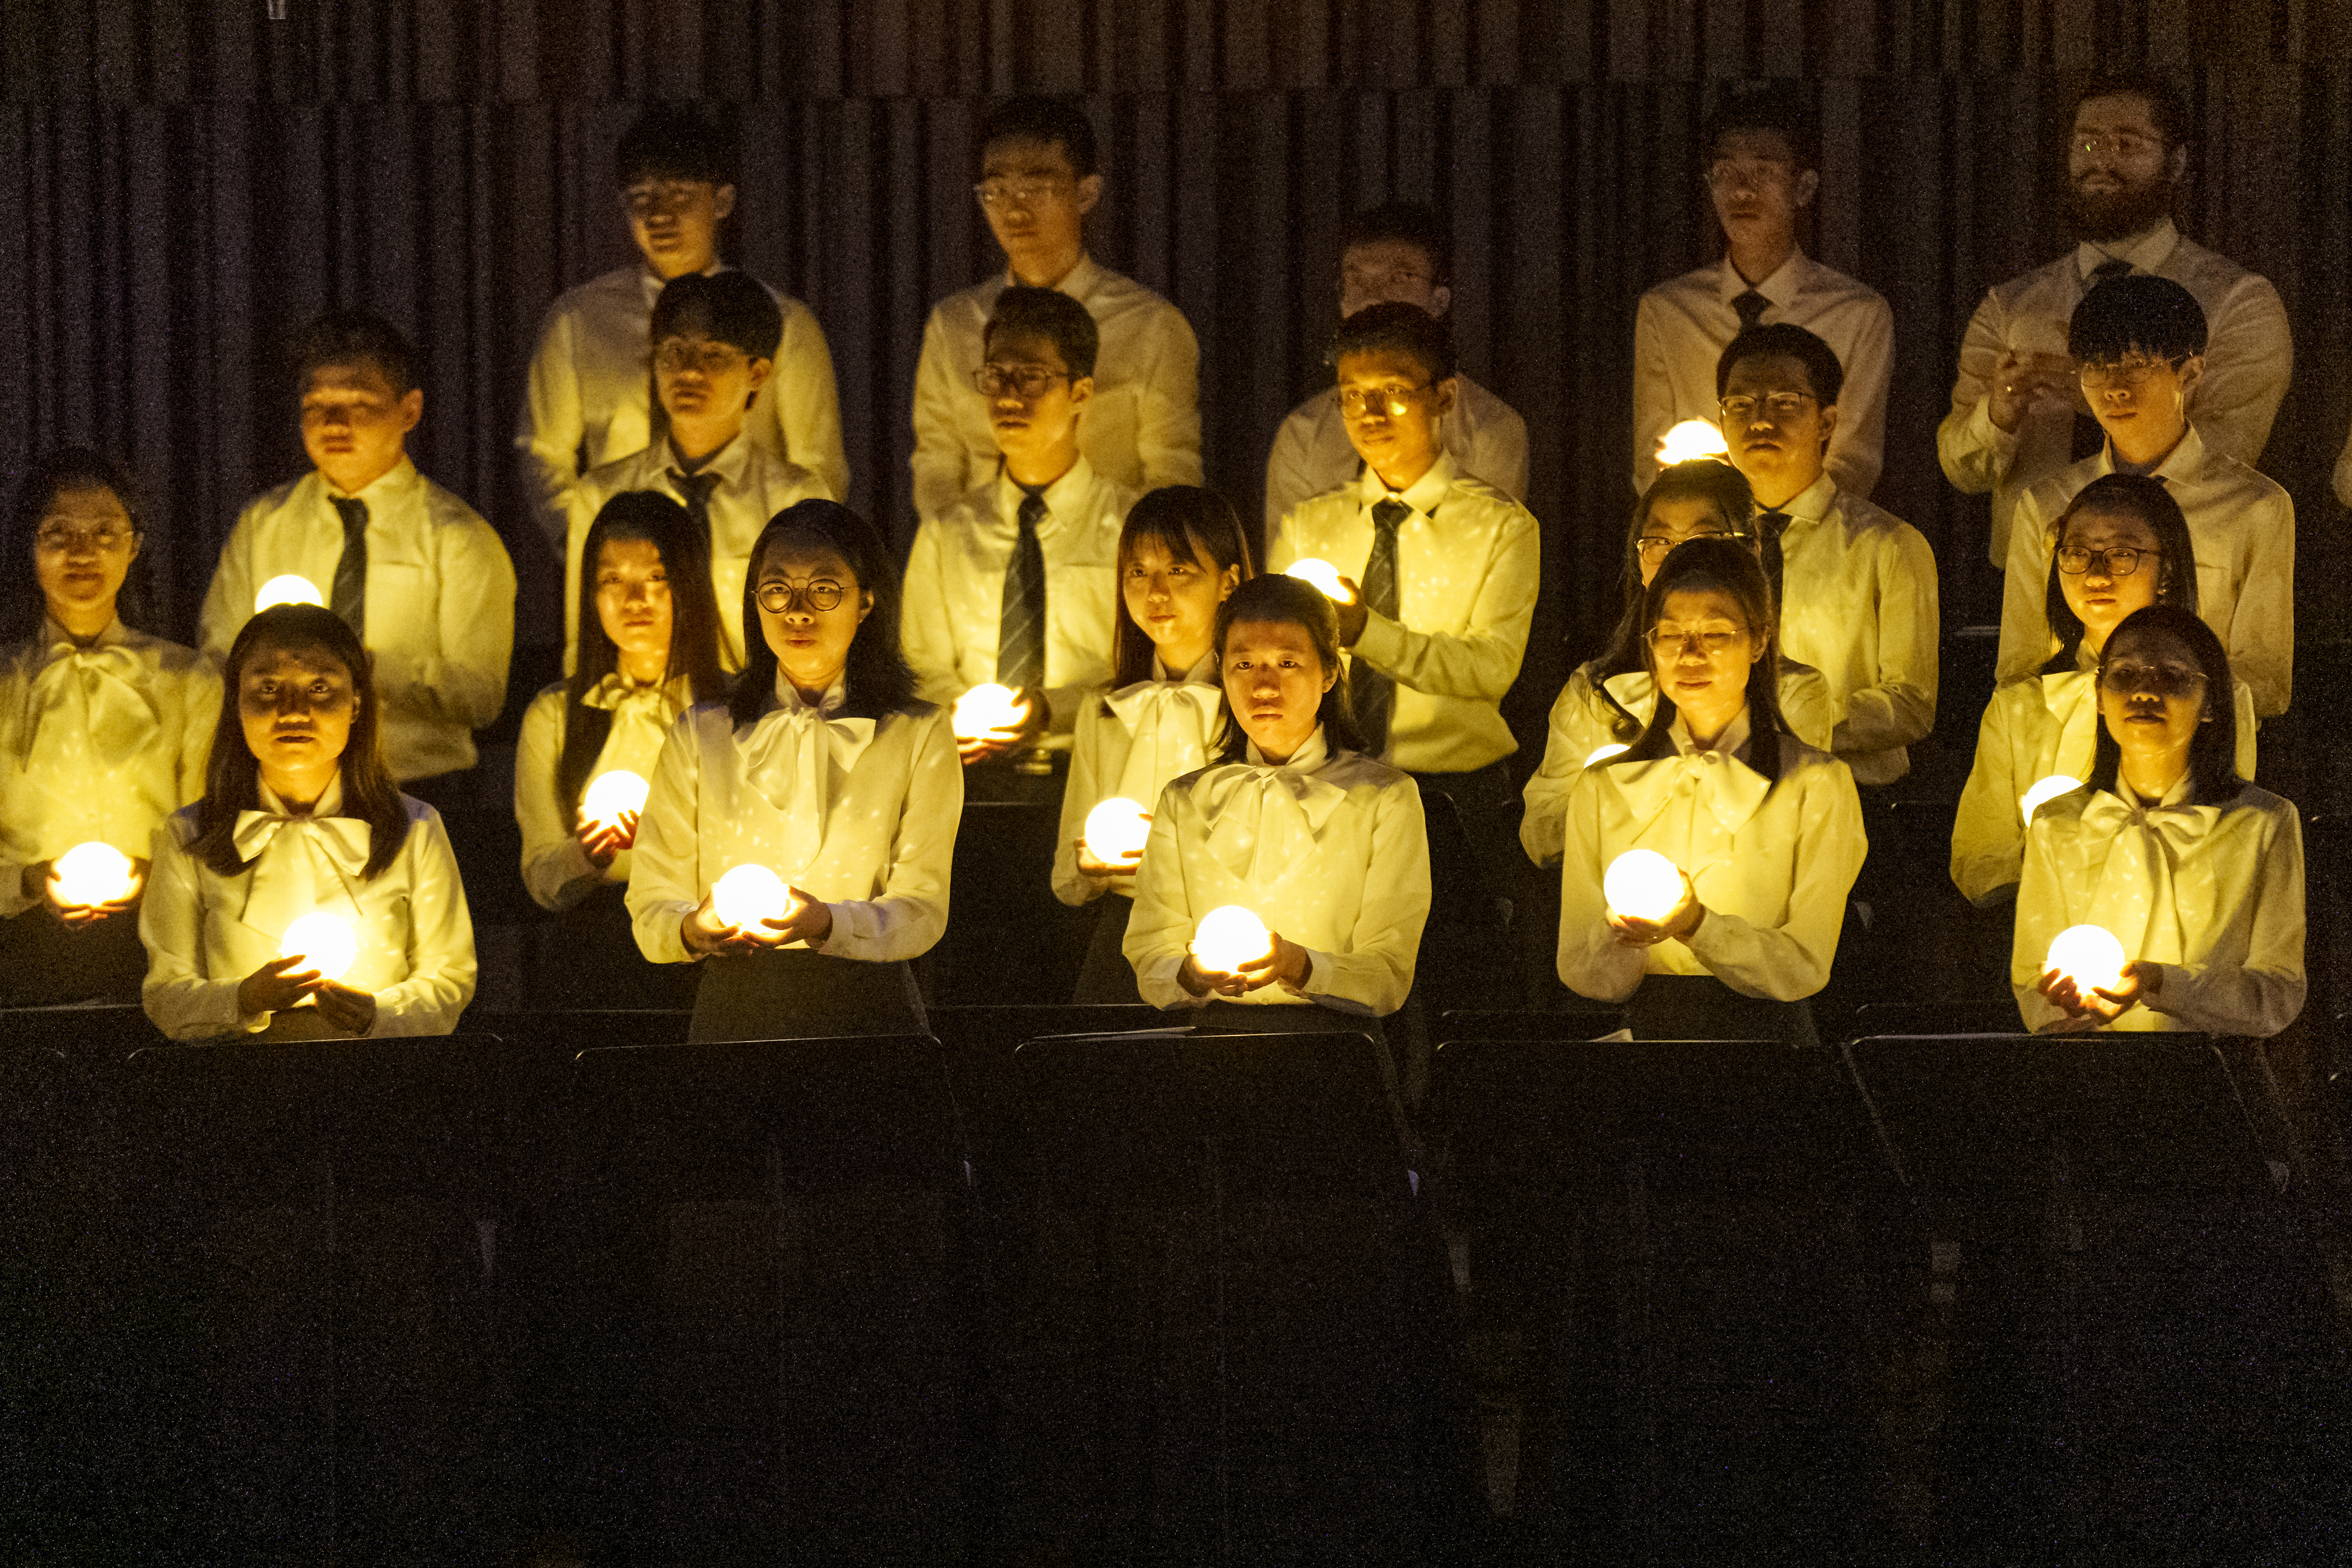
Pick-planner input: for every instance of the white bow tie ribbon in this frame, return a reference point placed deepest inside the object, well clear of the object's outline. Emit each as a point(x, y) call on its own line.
point(1264, 820)
point(1170, 722)
point(300, 864)
point(2151, 870)
point(790, 757)
point(1727, 789)
point(94, 697)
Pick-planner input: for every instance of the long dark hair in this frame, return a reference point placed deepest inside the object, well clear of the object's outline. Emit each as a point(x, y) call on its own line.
point(1189, 523)
point(2213, 749)
point(1718, 565)
point(1701, 479)
point(2133, 495)
point(685, 552)
point(877, 680)
point(58, 470)
point(232, 778)
point(1283, 598)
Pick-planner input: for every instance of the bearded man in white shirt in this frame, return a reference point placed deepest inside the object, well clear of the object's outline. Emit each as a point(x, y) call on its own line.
point(410, 567)
point(1760, 170)
point(1040, 176)
point(2017, 415)
point(588, 402)
point(1397, 254)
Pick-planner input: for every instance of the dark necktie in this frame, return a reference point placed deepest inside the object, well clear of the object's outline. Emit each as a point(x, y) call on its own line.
point(696, 489)
point(1021, 615)
point(1751, 307)
point(1769, 526)
point(348, 598)
point(2088, 436)
point(1373, 695)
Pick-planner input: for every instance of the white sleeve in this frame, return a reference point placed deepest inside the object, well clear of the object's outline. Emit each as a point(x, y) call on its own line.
point(1593, 962)
point(555, 871)
point(2249, 360)
point(1857, 452)
point(441, 967)
point(804, 405)
point(907, 921)
point(926, 630)
point(1989, 829)
point(1374, 976)
point(228, 602)
point(1499, 454)
point(1792, 960)
point(665, 879)
point(551, 425)
point(2261, 624)
point(1653, 392)
point(2026, 639)
point(939, 461)
point(1159, 929)
point(1168, 420)
point(1899, 706)
point(1976, 453)
point(1289, 474)
point(2255, 986)
point(1483, 660)
point(180, 995)
point(1082, 792)
point(464, 679)
point(1574, 733)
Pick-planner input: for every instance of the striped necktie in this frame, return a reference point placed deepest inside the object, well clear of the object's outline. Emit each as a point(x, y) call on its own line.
point(1371, 694)
point(1021, 616)
point(349, 597)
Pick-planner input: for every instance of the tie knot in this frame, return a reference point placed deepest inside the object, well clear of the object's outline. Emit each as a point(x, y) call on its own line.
point(354, 514)
point(697, 486)
point(1388, 513)
point(1773, 523)
point(1750, 305)
point(1033, 509)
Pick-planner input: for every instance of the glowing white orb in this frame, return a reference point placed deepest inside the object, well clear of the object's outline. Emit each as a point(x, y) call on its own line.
point(1643, 884)
point(748, 895)
point(92, 873)
point(611, 796)
point(1691, 438)
point(1114, 828)
point(1324, 575)
point(1602, 753)
point(988, 708)
point(2050, 788)
point(2088, 956)
point(287, 590)
point(1228, 937)
point(326, 942)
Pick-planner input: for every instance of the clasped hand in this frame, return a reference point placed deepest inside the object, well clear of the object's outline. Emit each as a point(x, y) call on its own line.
point(995, 743)
point(1283, 964)
point(283, 982)
point(602, 841)
point(1103, 875)
point(2102, 1005)
point(1680, 924)
point(805, 919)
point(40, 880)
point(2023, 381)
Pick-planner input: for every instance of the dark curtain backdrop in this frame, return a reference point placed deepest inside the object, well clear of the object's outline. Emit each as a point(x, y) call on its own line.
point(182, 182)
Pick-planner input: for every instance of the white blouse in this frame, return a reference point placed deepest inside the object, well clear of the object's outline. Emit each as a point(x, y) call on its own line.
point(2214, 894)
point(97, 744)
point(2032, 729)
point(1131, 745)
point(1773, 869)
point(1329, 850)
point(1583, 720)
point(859, 813)
point(554, 867)
point(207, 933)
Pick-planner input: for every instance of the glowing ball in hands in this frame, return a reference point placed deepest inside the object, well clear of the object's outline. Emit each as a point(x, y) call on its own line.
point(2050, 788)
point(1602, 753)
point(2088, 956)
point(1324, 575)
point(988, 708)
point(287, 590)
point(748, 895)
point(1690, 439)
point(325, 943)
point(1228, 937)
point(612, 795)
point(1643, 885)
point(1116, 827)
point(92, 873)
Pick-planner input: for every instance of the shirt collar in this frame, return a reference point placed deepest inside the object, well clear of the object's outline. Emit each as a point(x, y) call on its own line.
point(727, 462)
point(1784, 284)
point(1732, 743)
point(2180, 466)
point(115, 635)
point(1313, 755)
point(1060, 497)
point(1078, 282)
point(1813, 502)
point(1423, 495)
point(2147, 250)
point(386, 488)
point(330, 804)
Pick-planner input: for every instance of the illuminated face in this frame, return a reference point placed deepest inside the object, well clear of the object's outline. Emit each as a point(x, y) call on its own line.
point(1390, 272)
point(82, 549)
point(354, 427)
point(1035, 202)
point(1274, 682)
point(2152, 695)
point(1175, 598)
point(1391, 408)
point(1700, 651)
point(2141, 403)
point(632, 600)
point(810, 609)
point(698, 377)
point(1757, 186)
point(297, 706)
point(1672, 519)
point(2101, 594)
point(2120, 173)
point(1036, 405)
point(675, 223)
point(1777, 425)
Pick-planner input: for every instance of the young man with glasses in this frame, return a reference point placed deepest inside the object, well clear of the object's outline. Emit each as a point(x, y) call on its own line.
point(714, 346)
point(2017, 415)
point(2141, 343)
point(1758, 167)
point(587, 403)
point(1039, 179)
point(1396, 253)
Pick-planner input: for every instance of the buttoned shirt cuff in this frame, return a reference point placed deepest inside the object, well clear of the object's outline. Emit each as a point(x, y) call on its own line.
point(1318, 973)
point(1381, 644)
point(2171, 987)
point(1987, 436)
point(580, 875)
point(668, 921)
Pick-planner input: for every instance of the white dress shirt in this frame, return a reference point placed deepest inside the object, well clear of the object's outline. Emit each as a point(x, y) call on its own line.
point(1469, 563)
point(555, 869)
point(96, 745)
point(1130, 744)
point(2214, 894)
point(2034, 729)
point(591, 391)
point(754, 485)
point(440, 604)
point(2243, 525)
point(955, 587)
point(1772, 870)
point(1583, 720)
point(1312, 454)
point(1329, 850)
point(860, 814)
point(1682, 327)
point(1141, 430)
point(2249, 358)
point(1858, 604)
point(207, 933)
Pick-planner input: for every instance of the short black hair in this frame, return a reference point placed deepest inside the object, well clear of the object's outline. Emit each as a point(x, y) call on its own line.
point(2166, 109)
point(1395, 325)
point(1780, 109)
point(727, 307)
point(673, 141)
point(1035, 118)
point(1785, 338)
point(2139, 313)
point(355, 337)
point(1050, 314)
point(1409, 223)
